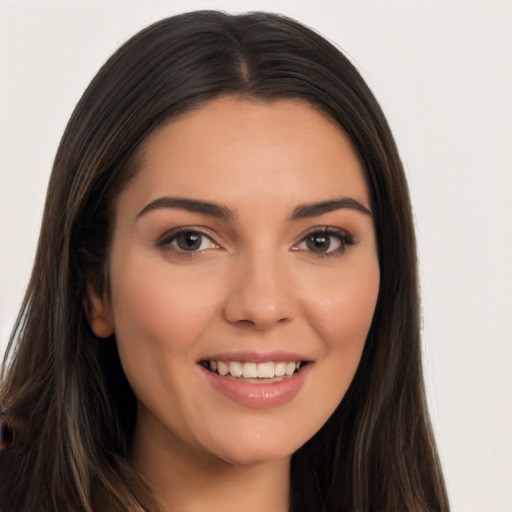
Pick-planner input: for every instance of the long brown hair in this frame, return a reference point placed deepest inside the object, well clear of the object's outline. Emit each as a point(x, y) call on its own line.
point(65, 392)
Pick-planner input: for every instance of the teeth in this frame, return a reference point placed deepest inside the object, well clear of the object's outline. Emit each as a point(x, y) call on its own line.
point(235, 368)
point(290, 369)
point(280, 369)
point(251, 370)
point(265, 370)
point(222, 368)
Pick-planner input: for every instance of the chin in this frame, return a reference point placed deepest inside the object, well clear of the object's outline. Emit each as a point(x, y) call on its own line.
point(258, 448)
point(254, 459)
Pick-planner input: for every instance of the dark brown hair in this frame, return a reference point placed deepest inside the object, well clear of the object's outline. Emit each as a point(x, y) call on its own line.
point(66, 393)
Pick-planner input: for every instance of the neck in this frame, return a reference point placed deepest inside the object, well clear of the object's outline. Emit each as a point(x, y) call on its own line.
point(187, 480)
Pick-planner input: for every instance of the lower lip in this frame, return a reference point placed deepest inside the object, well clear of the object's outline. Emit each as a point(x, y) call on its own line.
point(258, 395)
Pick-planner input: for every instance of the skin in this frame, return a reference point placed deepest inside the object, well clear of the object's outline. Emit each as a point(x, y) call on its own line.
point(253, 285)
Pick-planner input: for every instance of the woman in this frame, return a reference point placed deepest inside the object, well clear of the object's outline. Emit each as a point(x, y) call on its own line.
point(223, 313)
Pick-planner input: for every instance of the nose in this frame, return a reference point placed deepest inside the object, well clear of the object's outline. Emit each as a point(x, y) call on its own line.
point(262, 295)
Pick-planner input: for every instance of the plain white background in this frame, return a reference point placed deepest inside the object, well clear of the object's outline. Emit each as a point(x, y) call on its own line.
point(442, 72)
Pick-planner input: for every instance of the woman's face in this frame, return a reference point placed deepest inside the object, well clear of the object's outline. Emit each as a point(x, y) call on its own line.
point(243, 249)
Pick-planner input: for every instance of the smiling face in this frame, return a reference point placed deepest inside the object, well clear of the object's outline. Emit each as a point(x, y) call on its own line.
point(242, 249)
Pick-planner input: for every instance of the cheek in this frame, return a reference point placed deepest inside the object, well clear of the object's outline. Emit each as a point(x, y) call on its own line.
point(342, 309)
point(165, 309)
point(342, 318)
point(158, 316)
point(159, 313)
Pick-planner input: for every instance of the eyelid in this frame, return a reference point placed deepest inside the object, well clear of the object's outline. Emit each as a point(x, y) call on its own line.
point(343, 235)
point(169, 236)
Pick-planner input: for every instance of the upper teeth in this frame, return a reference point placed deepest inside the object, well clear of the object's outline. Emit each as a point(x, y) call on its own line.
point(251, 370)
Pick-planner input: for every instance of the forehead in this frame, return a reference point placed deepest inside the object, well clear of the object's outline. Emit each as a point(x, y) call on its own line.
point(233, 150)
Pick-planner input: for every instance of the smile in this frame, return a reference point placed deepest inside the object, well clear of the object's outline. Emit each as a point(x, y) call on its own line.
point(254, 371)
point(257, 392)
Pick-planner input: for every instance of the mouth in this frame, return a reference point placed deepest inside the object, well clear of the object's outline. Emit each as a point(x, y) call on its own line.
point(252, 371)
point(257, 380)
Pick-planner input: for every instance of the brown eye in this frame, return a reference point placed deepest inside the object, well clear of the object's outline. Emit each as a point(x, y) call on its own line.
point(189, 241)
point(325, 242)
point(319, 242)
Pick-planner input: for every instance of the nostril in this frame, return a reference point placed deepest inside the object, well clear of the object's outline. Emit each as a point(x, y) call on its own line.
point(261, 323)
point(248, 323)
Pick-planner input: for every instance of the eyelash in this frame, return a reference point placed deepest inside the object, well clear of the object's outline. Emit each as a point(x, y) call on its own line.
point(345, 240)
point(171, 237)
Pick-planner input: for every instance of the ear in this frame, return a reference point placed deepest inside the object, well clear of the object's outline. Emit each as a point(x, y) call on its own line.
point(99, 313)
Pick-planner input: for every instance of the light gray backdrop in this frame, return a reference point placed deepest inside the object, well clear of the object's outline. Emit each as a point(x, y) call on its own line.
point(442, 72)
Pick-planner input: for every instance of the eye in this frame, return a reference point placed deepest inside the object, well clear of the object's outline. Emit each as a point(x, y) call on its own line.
point(326, 241)
point(187, 240)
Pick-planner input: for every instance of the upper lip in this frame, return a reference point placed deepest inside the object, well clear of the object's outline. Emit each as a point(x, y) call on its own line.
point(256, 356)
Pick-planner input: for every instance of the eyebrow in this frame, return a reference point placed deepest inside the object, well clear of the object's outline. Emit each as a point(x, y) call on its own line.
point(316, 209)
point(192, 205)
point(223, 212)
